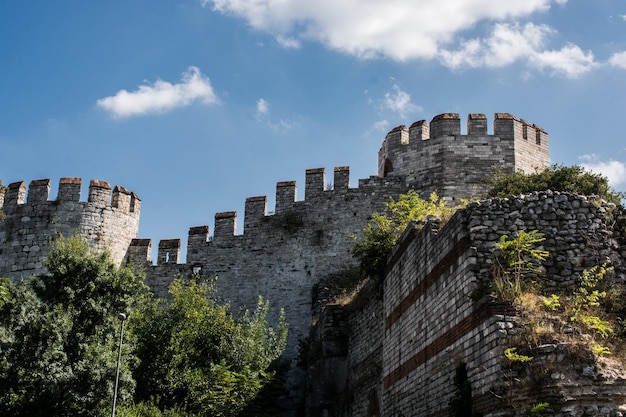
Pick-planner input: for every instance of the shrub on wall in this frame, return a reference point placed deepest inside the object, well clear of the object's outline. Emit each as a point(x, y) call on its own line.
point(383, 230)
point(574, 179)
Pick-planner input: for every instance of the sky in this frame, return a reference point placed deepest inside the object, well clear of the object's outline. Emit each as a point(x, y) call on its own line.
point(196, 105)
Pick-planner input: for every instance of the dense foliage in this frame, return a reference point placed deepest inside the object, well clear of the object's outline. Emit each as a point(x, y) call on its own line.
point(574, 179)
point(383, 230)
point(187, 356)
point(197, 359)
point(58, 333)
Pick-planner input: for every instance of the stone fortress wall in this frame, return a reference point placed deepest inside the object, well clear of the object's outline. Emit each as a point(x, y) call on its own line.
point(433, 320)
point(396, 354)
point(279, 256)
point(394, 344)
point(283, 255)
point(106, 220)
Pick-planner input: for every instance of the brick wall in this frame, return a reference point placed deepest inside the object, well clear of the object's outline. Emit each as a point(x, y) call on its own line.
point(432, 322)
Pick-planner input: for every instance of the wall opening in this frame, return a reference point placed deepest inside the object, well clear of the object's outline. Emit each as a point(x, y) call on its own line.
point(388, 167)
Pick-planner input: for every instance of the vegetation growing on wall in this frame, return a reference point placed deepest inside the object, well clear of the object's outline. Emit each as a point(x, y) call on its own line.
point(189, 357)
point(384, 229)
point(583, 325)
point(574, 179)
point(518, 263)
point(290, 221)
point(590, 317)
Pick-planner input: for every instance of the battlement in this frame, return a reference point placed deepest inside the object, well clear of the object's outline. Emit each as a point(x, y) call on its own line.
point(169, 251)
point(258, 222)
point(449, 124)
point(433, 157)
point(108, 219)
point(69, 191)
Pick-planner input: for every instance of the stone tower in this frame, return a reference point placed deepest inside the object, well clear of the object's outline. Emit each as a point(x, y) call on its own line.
point(105, 220)
point(437, 157)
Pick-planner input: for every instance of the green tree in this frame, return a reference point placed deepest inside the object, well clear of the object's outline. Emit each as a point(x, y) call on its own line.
point(58, 335)
point(574, 179)
point(196, 358)
point(383, 230)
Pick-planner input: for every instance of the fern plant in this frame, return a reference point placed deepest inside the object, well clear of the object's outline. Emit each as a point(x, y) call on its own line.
point(518, 258)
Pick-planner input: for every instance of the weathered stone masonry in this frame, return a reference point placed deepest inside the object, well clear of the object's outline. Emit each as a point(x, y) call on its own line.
point(106, 221)
point(432, 322)
point(280, 256)
point(437, 157)
point(401, 349)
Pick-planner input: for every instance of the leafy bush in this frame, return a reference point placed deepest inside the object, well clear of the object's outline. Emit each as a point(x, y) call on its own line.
point(59, 338)
point(538, 409)
point(574, 179)
point(383, 230)
point(512, 356)
point(58, 344)
point(196, 356)
point(552, 303)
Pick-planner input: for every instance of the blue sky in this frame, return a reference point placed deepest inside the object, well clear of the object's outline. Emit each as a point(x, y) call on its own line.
point(195, 105)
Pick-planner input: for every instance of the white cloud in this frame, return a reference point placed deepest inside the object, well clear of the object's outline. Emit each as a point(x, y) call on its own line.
point(288, 42)
point(417, 29)
point(614, 171)
point(263, 116)
point(262, 107)
point(395, 104)
point(570, 61)
point(161, 96)
point(509, 43)
point(618, 59)
point(381, 126)
point(399, 102)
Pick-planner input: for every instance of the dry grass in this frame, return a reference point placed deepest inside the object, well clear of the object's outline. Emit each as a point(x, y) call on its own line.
point(545, 324)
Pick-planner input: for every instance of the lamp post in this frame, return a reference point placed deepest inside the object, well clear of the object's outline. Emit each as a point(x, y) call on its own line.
point(122, 318)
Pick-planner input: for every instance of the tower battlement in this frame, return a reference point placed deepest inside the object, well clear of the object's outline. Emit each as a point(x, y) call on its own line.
point(438, 157)
point(69, 191)
point(108, 219)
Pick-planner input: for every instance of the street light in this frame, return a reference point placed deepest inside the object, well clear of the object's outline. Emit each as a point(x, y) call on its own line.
point(122, 318)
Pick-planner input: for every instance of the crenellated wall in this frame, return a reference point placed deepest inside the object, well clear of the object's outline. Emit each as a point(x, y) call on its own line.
point(108, 219)
point(279, 256)
point(434, 157)
point(396, 345)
